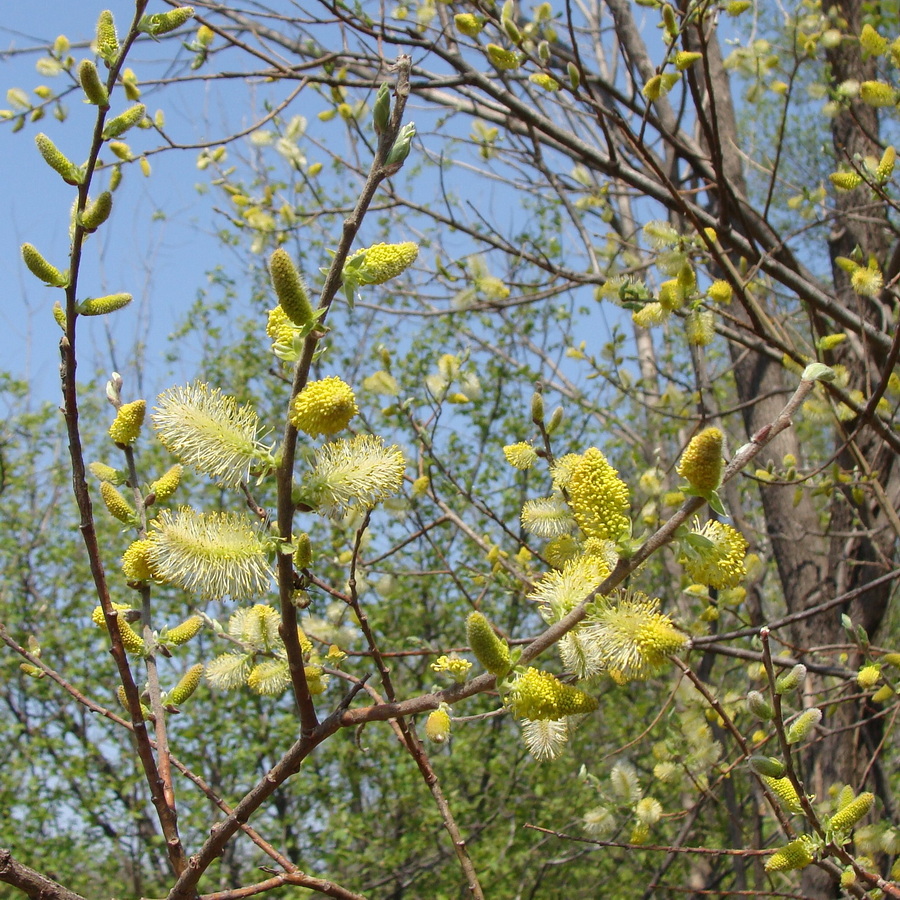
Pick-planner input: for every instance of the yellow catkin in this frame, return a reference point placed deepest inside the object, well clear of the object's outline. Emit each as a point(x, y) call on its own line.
point(127, 425)
point(853, 812)
point(701, 463)
point(437, 726)
point(490, 650)
point(323, 407)
point(186, 685)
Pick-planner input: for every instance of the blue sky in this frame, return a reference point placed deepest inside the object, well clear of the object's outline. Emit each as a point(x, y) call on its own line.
point(157, 245)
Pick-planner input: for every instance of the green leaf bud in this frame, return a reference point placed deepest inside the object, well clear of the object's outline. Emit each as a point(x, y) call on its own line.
point(490, 650)
point(100, 306)
point(381, 114)
point(759, 706)
point(818, 372)
point(556, 418)
point(117, 505)
point(107, 40)
point(103, 472)
point(163, 23)
point(512, 31)
point(187, 685)
point(97, 212)
point(291, 290)
point(124, 121)
point(184, 632)
point(669, 21)
point(401, 148)
point(803, 725)
point(90, 82)
point(68, 171)
point(40, 268)
point(574, 75)
point(852, 812)
point(537, 408)
point(790, 681)
point(795, 855)
point(303, 553)
point(767, 765)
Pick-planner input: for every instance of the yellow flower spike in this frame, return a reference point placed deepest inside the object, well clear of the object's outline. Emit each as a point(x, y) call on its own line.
point(125, 121)
point(867, 281)
point(97, 212)
point(468, 24)
point(269, 678)
point(163, 23)
point(852, 812)
point(718, 564)
point(684, 59)
point(212, 554)
point(504, 60)
point(886, 165)
point(877, 93)
point(291, 289)
point(542, 80)
point(131, 640)
point(632, 637)
point(701, 462)
point(491, 651)
point(871, 42)
point(123, 702)
point(323, 407)
point(785, 792)
point(455, 667)
point(59, 315)
point(671, 295)
point(186, 686)
point(845, 181)
point(107, 40)
point(598, 497)
point(795, 855)
point(538, 695)
point(127, 425)
point(720, 291)
point(353, 474)
point(520, 455)
point(650, 314)
point(118, 507)
point(316, 681)
point(437, 725)
point(101, 306)
point(868, 676)
point(40, 268)
point(136, 561)
point(90, 82)
point(184, 632)
point(167, 483)
point(700, 327)
point(380, 262)
point(57, 160)
point(210, 432)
